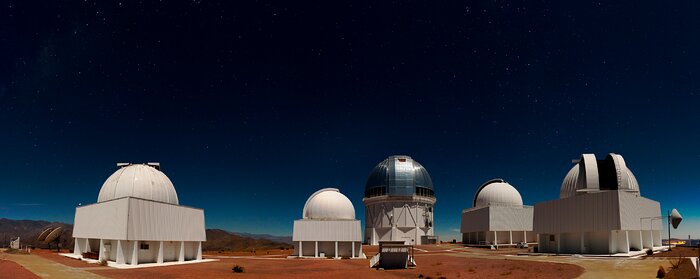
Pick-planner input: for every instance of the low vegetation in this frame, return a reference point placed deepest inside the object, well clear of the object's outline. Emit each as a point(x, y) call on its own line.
point(237, 269)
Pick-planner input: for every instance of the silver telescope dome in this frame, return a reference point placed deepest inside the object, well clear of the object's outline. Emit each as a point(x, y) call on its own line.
point(399, 176)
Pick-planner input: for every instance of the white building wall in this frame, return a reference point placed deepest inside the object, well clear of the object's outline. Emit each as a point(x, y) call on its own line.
point(149, 220)
point(508, 218)
point(107, 220)
point(137, 219)
point(327, 230)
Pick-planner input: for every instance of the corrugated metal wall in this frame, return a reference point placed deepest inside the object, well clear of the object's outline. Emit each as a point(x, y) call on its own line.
point(506, 218)
point(475, 221)
point(327, 230)
point(150, 220)
point(635, 212)
point(138, 219)
point(589, 212)
point(107, 220)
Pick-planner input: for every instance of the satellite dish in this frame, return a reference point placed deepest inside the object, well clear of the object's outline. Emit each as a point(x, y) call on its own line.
point(43, 234)
point(53, 235)
point(675, 218)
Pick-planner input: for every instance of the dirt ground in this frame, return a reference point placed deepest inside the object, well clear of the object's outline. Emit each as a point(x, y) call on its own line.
point(10, 269)
point(679, 252)
point(433, 261)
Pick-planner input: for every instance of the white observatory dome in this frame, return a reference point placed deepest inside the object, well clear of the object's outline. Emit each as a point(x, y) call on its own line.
point(143, 181)
point(591, 175)
point(329, 203)
point(497, 192)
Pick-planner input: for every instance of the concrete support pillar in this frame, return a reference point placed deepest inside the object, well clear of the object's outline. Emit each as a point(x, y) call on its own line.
point(101, 252)
point(87, 245)
point(373, 240)
point(525, 237)
point(181, 255)
point(76, 247)
point(627, 242)
point(558, 243)
point(120, 252)
point(495, 238)
point(316, 249)
point(418, 240)
point(336, 249)
point(360, 253)
point(353, 250)
point(300, 249)
point(510, 236)
point(610, 242)
point(135, 253)
point(199, 251)
point(160, 252)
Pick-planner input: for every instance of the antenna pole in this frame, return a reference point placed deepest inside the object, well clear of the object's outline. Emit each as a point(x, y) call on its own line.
point(669, 230)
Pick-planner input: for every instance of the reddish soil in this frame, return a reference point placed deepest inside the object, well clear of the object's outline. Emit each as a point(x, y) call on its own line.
point(685, 270)
point(10, 269)
point(435, 263)
point(679, 252)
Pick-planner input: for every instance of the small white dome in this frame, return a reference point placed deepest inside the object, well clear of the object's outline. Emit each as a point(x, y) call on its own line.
point(329, 203)
point(497, 192)
point(139, 181)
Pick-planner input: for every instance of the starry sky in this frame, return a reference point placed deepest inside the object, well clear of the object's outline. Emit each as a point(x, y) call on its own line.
point(251, 106)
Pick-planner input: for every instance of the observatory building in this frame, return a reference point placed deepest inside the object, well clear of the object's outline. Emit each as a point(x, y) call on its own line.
point(497, 216)
point(399, 199)
point(599, 211)
point(137, 219)
point(328, 227)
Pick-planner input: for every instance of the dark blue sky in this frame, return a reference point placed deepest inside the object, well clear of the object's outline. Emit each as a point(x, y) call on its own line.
point(252, 106)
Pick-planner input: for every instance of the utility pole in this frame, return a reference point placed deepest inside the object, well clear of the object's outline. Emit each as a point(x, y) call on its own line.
point(669, 229)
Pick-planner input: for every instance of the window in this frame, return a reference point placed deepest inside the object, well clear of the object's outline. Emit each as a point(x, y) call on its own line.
point(551, 237)
point(144, 246)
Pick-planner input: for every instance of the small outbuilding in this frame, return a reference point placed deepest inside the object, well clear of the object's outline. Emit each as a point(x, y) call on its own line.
point(138, 219)
point(328, 227)
point(497, 217)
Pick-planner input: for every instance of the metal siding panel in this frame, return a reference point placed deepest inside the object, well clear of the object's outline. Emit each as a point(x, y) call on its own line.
point(327, 230)
point(149, 220)
point(106, 220)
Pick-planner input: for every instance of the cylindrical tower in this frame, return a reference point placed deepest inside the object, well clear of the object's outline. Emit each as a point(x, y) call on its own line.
point(399, 199)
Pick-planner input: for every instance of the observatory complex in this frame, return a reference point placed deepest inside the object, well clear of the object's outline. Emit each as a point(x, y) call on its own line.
point(137, 219)
point(599, 211)
point(328, 227)
point(399, 199)
point(497, 216)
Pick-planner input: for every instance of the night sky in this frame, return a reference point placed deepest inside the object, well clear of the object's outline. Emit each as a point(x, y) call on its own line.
point(252, 106)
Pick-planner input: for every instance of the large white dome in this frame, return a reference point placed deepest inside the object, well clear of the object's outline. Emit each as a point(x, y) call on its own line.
point(329, 204)
point(592, 175)
point(497, 192)
point(139, 181)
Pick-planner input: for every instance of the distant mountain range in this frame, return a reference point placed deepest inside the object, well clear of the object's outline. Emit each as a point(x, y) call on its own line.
point(217, 240)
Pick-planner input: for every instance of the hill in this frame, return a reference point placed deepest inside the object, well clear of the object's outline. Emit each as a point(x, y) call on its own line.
point(217, 240)
point(29, 230)
point(222, 240)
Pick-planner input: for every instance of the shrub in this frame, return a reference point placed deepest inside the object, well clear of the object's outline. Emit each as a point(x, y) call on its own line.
point(420, 275)
point(661, 273)
point(675, 262)
point(237, 269)
point(650, 252)
point(102, 262)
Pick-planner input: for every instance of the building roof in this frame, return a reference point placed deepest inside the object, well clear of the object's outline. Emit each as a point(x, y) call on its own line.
point(591, 175)
point(328, 204)
point(143, 181)
point(497, 192)
point(399, 175)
